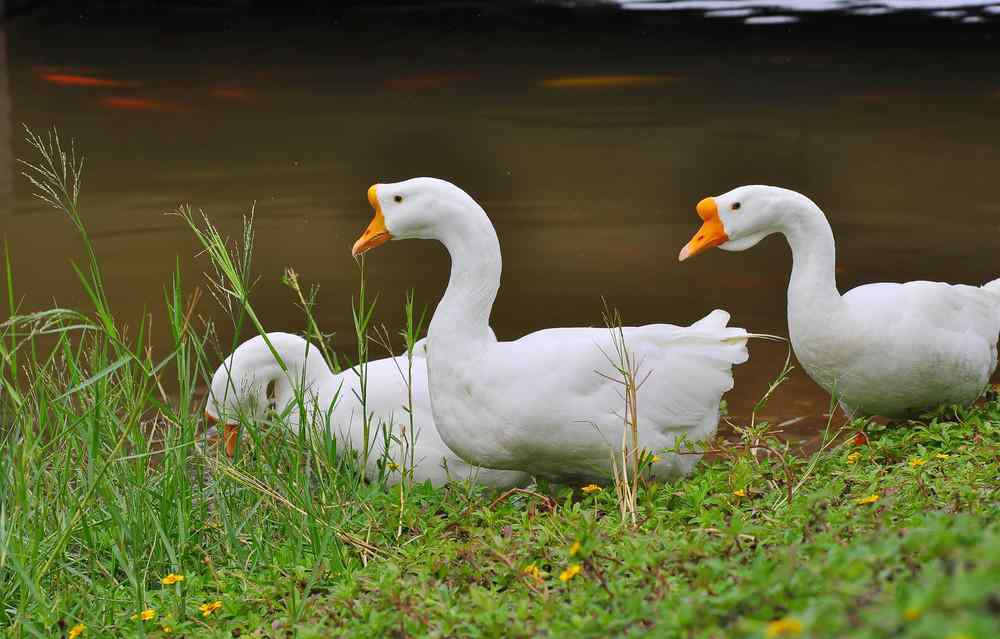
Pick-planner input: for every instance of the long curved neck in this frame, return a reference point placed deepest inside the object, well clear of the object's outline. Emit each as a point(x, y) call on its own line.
point(812, 288)
point(464, 312)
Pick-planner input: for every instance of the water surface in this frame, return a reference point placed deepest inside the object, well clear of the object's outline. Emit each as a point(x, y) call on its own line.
point(587, 134)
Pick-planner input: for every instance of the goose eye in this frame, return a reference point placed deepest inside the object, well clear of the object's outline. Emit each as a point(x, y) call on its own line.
point(398, 198)
point(736, 206)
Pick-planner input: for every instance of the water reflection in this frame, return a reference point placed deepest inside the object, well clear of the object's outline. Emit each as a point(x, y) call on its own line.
point(588, 144)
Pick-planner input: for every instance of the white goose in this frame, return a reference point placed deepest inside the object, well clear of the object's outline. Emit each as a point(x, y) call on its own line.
point(547, 403)
point(887, 349)
point(239, 390)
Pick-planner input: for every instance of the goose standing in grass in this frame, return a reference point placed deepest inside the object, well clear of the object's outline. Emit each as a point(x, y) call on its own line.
point(550, 403)
point(887, 349)
point(240, 391)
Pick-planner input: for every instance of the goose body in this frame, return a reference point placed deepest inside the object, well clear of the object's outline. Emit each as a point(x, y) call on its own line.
point(550, 403)
point(889, 349)
point(239, 389)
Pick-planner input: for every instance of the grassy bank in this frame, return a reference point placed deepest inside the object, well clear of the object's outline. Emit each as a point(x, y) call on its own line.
point(117, 520)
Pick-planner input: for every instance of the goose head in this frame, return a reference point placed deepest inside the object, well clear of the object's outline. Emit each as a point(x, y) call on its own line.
point(250, 382)
point(739, 219)
point(236, 393)
point(418, 208)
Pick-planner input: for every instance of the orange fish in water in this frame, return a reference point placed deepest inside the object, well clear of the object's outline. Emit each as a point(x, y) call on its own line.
point(139, 104)
point(73, 80)
point(604, 81)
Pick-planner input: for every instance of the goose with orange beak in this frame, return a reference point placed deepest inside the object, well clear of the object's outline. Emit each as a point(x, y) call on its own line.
point(252, 388)
point(889, 349)
point(550, 402)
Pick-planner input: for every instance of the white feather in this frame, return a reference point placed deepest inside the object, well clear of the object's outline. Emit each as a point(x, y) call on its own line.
point(240, 384)
point(887, 349)
point(549, 403)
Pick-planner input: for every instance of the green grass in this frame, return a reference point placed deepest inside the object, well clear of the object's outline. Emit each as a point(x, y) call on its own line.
point(105, 489)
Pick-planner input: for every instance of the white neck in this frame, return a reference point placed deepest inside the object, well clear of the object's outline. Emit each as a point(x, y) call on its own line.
point(463, 315)
point(812, 288)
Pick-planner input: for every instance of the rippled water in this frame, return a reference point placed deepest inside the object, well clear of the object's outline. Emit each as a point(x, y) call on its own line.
point(587, 134)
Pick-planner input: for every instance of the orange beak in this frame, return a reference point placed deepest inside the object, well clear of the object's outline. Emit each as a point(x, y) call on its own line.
point(230, 433)
point(711, 233)
point(376, 234)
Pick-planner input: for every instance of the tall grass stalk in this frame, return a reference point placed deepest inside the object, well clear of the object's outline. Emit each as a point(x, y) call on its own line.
point(232, 281)
point(307, 303)
point(406, 439)
point(361, 315)
point(57, 177)
point(414, 327)
point(627, 464)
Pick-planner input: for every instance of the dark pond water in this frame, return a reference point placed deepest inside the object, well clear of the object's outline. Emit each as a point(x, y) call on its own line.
point(588, 134)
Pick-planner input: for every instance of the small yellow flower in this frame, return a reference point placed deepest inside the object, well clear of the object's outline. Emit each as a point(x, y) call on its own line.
point(532, 571)
point(569, 573)
point(393, 466)
point(76, 631)
point(654, 459)
point(171, 579)
point(166, 629)
point(870, 499)
point(740, 492)
point(912, 613)
point(591, 488)
point(575, 548)
point(787, 627)
point(943, 456)
point(917, 462)
point(208, 608)
point(853, 457)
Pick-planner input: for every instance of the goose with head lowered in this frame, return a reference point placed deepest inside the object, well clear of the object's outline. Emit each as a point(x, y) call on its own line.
point(888, 349)
point(551, 402)
point(239, 393)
